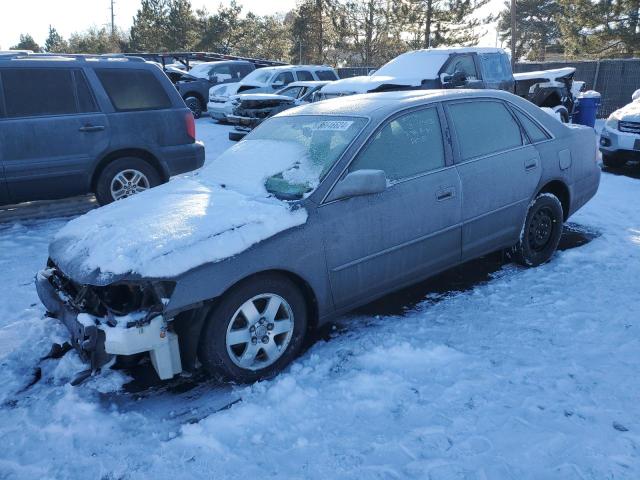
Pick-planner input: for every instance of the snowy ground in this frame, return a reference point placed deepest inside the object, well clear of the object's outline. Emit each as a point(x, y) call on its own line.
point(530, 375)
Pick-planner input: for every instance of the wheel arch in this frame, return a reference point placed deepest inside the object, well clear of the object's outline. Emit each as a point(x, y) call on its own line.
point(560, 190)
point(127, 152)
point(189, 324)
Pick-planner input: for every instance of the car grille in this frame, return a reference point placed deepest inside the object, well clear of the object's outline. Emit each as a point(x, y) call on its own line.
point(629, 127)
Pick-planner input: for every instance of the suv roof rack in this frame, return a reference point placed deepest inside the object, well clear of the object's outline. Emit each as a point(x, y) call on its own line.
point(22, 55)
point(186, 57)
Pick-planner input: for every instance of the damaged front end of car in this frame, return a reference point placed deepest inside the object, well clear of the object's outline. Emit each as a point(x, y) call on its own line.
point(120, 319)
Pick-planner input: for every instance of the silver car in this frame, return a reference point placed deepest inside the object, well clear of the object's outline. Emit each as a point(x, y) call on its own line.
point(231, 268)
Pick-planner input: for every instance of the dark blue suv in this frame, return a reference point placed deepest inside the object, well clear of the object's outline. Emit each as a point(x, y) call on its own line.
point(73, 124)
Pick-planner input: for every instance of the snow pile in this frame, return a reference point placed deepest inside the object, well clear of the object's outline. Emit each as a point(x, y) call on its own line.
point(215, 214)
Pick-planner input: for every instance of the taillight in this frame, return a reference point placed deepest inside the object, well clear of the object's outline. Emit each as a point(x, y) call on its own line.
point(190, 123)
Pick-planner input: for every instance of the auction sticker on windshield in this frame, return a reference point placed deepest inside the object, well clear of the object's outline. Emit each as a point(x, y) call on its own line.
point(334, 125)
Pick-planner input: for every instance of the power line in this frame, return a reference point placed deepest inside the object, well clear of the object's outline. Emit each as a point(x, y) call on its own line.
point(113, 18)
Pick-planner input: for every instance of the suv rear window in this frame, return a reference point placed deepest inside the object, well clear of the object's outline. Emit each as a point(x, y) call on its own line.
point(131, 89)
point(30, 92)
point(326, 75)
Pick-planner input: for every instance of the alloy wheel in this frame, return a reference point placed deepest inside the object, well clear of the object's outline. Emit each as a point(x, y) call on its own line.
point(260, 331)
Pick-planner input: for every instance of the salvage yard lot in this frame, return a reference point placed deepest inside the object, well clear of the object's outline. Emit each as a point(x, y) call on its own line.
point(529, 375)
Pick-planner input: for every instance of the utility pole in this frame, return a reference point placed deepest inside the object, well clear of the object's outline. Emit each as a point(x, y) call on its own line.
point(513, 35)
point(113, 19)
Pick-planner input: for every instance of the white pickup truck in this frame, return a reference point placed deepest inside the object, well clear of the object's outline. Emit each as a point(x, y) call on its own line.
point(467, 67)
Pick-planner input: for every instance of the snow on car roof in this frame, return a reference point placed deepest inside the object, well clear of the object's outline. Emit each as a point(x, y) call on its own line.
point(309, 83)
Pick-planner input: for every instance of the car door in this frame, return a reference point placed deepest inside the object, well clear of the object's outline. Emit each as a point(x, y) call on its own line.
point(281, 80)
point(4, 194)
point(51, 133)
point(377, 243)
point(496, 71)
point(465, 64)
point(499, 171)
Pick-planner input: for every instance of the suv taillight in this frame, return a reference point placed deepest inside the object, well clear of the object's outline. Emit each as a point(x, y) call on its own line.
point(190, 123)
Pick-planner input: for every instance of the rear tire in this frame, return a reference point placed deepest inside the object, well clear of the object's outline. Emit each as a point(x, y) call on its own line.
point(255, 331)
point(195, 105)
point(125, 177)
point(613, 161)
point(541, 231)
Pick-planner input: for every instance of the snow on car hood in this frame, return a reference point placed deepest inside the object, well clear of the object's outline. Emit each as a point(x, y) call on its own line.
point(207, 217)
point(628, 113)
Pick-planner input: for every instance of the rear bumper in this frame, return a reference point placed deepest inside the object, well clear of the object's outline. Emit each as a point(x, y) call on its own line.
point(183, 158)
point(97, 343)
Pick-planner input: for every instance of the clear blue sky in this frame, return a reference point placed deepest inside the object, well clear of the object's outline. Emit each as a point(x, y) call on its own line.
point(68, 16)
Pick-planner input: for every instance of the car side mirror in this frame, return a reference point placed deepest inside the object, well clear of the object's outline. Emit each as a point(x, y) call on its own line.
point(358, 183)
point(458, 78)
point(278, 84)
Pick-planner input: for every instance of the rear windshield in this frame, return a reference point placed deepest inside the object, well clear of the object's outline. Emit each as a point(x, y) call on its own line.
point(132, 89)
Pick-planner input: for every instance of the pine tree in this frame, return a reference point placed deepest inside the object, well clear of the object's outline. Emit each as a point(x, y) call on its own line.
point(180, 31)
point(27, 43)
point(148, 33)
point(536, 24)
point(600, 28)
point(55, 43)
point(435, 23)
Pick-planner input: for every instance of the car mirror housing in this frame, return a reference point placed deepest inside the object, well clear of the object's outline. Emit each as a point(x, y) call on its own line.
point(358, 183)
point(278, 84)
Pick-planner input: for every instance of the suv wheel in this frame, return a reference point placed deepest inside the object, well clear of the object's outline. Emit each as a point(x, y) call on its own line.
point(613, 161)
point(255, 331)
point(195, 105)
point(125, 177)
point(541, 232)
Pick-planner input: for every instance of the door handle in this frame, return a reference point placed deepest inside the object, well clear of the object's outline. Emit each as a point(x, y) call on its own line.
point(531, 164)
point(445, 194)
point(91, 128)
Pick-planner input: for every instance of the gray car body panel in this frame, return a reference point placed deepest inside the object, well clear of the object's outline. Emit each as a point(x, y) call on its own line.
point(48, 157)
point(353, 250)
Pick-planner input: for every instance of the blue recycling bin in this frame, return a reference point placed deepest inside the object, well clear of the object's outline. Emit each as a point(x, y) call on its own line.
point(587, 108)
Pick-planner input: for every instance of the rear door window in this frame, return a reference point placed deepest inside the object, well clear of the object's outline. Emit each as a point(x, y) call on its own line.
point(405, 147)
point(484, 127)
point(86, 102)
point(493, 67)
point(534, 131)
point(304, 75)
point(326, 75)
point(30, 92)
point(132, 89)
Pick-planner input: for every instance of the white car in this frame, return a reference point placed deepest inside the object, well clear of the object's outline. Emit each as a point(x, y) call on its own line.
point(620, 137)
point(272, 79)
point(219, 105)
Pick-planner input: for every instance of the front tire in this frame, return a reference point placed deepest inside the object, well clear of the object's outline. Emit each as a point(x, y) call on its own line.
point(541, 232)
point(236, 136)
point(125, 177)
point(255, 331)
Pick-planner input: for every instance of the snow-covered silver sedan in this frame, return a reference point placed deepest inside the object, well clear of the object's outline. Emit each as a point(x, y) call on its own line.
point(321, 209)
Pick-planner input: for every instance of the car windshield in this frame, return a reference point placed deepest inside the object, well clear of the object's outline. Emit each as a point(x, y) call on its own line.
point(316, 142)
point(201, 71)
point(258, 76)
